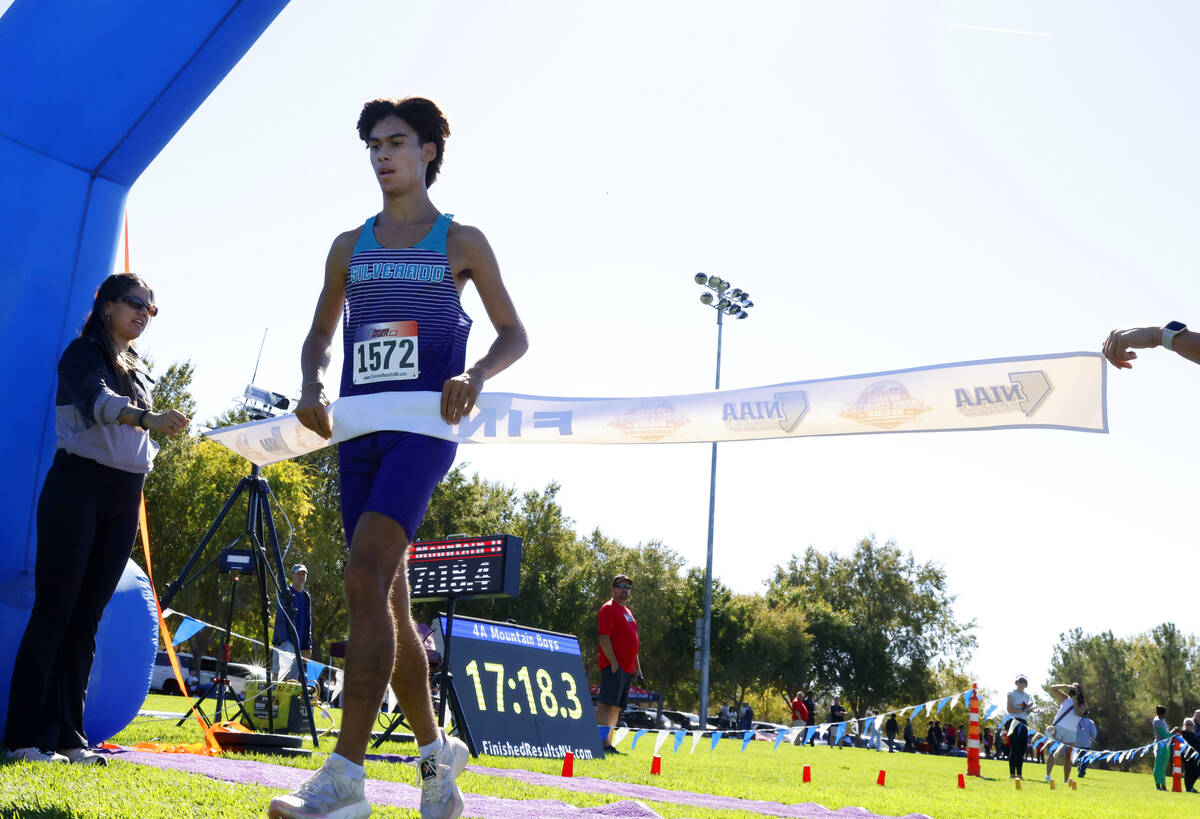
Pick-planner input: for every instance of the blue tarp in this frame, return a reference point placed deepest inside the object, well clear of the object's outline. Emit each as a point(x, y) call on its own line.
point(89, 95)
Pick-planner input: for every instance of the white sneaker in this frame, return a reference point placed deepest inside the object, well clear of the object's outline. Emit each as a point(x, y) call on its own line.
point(83, 756)
point(440, 796)
point(34, 755)
point(327, 794)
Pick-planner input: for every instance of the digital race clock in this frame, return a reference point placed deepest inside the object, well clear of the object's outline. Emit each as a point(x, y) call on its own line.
point(465, 567)
point(521, 691)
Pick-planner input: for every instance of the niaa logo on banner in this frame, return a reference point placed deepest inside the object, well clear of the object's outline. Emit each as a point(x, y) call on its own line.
point(785, 410)
point(1025, 393)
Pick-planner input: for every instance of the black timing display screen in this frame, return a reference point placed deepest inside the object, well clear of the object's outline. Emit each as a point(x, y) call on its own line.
point(488, 566)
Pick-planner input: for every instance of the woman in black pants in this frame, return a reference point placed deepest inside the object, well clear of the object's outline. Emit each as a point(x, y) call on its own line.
point(87, 519)
point(1019, 706)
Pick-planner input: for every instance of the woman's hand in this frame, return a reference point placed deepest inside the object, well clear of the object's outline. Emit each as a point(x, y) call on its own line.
point(171, 422)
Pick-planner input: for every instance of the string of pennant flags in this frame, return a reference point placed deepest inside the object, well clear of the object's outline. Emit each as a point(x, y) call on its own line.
point(1038, 741)
point(190, 626)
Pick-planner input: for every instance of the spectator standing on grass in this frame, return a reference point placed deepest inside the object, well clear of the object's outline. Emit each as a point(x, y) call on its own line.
point(747, 720)
point(619, 659)
point(1191, 766)
point(799, 711)
point(294, 604)
point(837, 713)
point(1020, 704)
point(725, 716)
point(87, 513)
point(1162, 751)
point(910, 743)
point(951, 736)
point(931, 736)
point(1085, 737)
point(811, 705)
point(1073, 705)
point(890, 727)
point(987, 742)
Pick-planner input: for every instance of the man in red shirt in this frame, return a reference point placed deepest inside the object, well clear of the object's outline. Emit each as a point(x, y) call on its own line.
point(618, 656)
point(799, 710)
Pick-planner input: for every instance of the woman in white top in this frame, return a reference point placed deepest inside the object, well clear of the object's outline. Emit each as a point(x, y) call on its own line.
point(1019, 706)
point(1073, 705)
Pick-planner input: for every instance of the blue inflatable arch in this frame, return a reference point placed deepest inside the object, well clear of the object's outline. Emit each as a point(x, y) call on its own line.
point(89, 94)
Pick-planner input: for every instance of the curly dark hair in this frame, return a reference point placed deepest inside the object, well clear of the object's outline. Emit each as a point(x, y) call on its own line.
point(421, 114)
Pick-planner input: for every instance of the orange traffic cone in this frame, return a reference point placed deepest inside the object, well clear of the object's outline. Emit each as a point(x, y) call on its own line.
point(1074, 785)
point(569, 764)
point(656, 765)
point(1017, 782)
point(1051, 784)
point(962, 782)
point(807, 774)
point(882, 776)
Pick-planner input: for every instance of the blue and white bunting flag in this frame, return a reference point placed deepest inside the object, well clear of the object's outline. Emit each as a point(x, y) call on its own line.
point(187, 629)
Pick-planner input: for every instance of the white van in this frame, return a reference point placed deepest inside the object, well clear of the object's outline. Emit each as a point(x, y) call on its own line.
point(163, 678)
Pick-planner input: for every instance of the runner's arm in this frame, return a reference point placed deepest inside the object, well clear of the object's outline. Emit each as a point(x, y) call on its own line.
point(479, 264)
point(315, 354)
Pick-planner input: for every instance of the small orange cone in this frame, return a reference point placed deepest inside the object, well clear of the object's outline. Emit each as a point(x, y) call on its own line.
point(807, 774)
point(1017, 782)
point(1074, 785)
point(656, 765)
point(1051, 784)
point(962, 782)
point(569, 764)
point(882, 776)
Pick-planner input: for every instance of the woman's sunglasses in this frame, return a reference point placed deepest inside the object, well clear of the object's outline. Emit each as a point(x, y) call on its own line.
point(139, 305)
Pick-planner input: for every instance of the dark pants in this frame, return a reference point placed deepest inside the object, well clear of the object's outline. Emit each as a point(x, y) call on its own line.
point(1016, 751)
point(891, 735)
point(87, 518)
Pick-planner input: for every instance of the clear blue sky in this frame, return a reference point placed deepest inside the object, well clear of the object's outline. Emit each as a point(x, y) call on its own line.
point(896, 184)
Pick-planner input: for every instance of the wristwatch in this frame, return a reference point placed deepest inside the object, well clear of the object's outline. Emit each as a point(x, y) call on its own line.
point(1169, 331)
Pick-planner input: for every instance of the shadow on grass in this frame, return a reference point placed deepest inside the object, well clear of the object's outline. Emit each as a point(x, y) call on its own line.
point(38, 813)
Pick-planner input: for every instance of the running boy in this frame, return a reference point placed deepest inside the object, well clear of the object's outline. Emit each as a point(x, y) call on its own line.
point(396, 282)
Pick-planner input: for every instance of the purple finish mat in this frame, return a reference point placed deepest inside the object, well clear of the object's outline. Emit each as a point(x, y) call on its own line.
point(491, 807)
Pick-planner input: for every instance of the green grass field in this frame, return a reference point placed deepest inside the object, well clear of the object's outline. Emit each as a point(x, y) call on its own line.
point(915, 784)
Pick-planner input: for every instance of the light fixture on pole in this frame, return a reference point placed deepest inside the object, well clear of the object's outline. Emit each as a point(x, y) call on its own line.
point(733, 302)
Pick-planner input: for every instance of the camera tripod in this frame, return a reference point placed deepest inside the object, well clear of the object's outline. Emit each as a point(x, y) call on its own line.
point(260, 533)
point(233, 561)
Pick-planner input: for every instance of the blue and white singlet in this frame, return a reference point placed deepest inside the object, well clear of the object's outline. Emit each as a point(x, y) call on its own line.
point(403, 325)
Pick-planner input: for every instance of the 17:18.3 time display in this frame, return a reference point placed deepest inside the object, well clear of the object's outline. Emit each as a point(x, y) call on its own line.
point(545, 697)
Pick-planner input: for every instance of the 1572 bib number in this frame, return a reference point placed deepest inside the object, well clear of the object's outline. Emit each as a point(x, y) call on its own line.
point(386, 352)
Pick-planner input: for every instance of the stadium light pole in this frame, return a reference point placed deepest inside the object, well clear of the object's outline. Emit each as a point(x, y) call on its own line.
point(733, 302)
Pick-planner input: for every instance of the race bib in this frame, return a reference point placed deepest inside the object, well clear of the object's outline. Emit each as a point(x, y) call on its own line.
point(386, 352)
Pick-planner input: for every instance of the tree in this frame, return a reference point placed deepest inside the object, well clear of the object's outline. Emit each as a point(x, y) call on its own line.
point(889, 621)
point(768, 649)
point(190, 482)
point(1103, 665)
